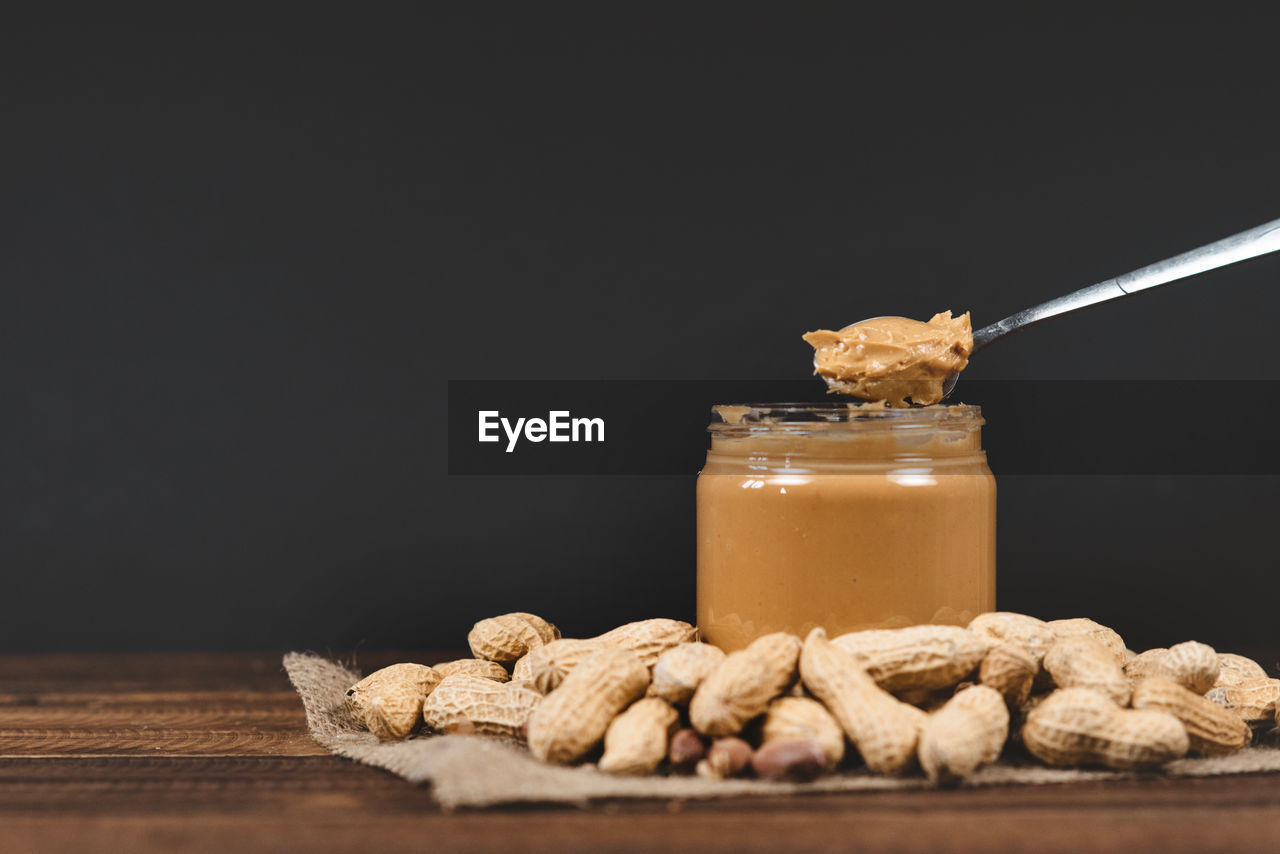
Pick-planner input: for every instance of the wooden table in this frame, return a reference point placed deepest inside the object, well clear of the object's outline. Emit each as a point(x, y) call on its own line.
point(208, 752)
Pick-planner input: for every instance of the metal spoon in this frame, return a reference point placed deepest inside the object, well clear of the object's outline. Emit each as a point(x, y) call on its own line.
point(1238, 247)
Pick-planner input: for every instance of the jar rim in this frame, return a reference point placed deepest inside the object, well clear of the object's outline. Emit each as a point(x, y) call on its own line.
point(798, 415)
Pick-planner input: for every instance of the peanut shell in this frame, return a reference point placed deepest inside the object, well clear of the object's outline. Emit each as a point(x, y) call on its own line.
point(573, 718)
point(883, 728)
point(1234, 669)
point(464, 703)
point(1009, 627)
point(649, 639)
point(1254, 700)
point(548, 665)
point(965, 734)
point(389, 701)
point(636, 741)
point(507, 637)
point(1085, 627)
point(545, 630)
point(742, 686)
point(681, 669)
point(916, 658)
point(473, 667)
point(1211, 728)
point(1192, 665)
point(1081, 661)
point(1010, 669)
point(1080, 726)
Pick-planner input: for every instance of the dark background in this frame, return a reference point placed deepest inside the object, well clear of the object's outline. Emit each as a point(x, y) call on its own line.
point(240, 268)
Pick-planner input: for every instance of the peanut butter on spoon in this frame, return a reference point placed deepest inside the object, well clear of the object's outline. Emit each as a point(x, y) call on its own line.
point(893, 359)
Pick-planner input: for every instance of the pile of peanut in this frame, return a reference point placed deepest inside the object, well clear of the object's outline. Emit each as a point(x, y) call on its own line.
point(944, 699)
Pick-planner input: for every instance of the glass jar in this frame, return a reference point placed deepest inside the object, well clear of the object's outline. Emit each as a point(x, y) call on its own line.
point(843, 516)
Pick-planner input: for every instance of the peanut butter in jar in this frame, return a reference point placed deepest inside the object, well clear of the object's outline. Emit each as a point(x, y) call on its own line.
point(843, 516)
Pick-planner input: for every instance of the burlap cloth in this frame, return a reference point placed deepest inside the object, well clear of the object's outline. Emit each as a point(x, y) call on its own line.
point(474, 771)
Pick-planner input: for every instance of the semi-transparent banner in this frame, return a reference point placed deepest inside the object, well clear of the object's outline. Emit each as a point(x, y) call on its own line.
point(658, 427)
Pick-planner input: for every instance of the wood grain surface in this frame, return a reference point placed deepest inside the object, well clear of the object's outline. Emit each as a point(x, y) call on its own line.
point(208, 752)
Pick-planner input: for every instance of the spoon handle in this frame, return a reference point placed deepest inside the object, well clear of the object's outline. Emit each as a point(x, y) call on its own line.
point(1238, 247)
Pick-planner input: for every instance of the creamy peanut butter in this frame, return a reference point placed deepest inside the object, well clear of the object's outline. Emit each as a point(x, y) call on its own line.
point(893, 359)
point(847, 517)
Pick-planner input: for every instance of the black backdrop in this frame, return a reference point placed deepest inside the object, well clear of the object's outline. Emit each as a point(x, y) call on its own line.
point(240, 268)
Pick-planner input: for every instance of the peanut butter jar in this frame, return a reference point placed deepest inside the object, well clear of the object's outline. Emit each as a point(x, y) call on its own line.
point(843, 516)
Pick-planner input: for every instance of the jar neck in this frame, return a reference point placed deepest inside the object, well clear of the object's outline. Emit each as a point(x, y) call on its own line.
point(824, 457)
point(838, 435)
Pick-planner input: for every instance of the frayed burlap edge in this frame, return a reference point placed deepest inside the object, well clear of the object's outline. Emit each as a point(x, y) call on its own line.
point(473, 771)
